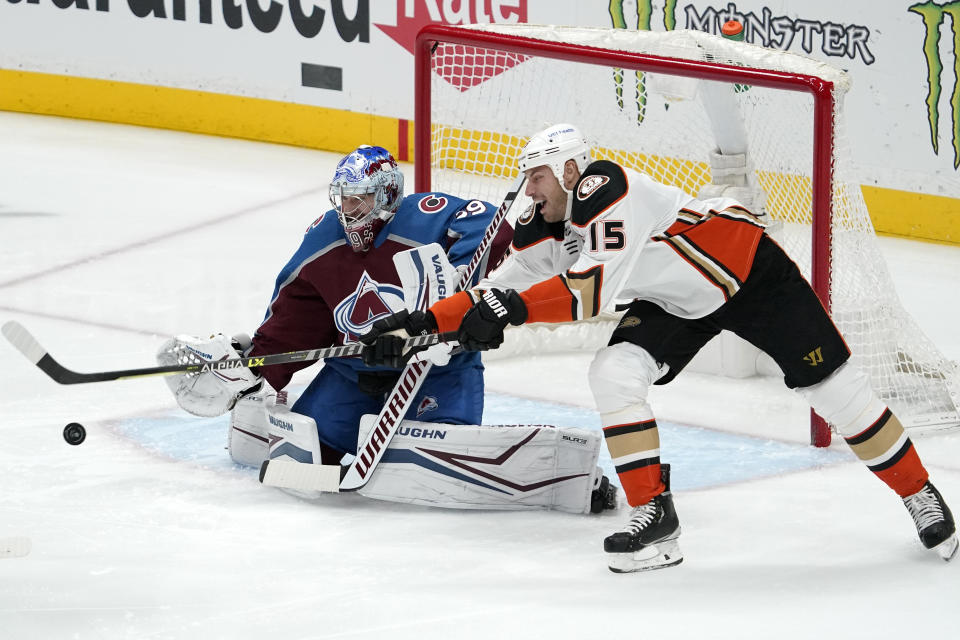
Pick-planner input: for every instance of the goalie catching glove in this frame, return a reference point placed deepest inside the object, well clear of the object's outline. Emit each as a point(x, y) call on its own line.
point(208, 393)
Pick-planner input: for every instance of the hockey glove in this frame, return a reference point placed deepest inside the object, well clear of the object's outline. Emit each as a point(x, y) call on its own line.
point(483, 325)
point(213, 392)
point(385, 340)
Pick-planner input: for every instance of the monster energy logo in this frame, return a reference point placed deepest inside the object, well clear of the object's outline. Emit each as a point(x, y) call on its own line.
point(932, 15)
point(644, 11)
point(835, 40)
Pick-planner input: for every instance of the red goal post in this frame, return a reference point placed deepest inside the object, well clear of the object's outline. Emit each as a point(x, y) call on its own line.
point(477, 100)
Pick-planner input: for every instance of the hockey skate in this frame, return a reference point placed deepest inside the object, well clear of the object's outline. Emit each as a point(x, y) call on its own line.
point(604, 495)
point(649, 540)
point(934, 521)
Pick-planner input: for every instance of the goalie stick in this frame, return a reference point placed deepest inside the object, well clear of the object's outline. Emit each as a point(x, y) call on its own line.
point(26, 344)
point(334, 478)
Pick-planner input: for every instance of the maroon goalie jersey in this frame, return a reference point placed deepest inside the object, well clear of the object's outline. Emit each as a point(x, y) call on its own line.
point(329, 295)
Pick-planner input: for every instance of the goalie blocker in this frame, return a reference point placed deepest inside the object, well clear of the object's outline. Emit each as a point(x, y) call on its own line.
point(506, 467)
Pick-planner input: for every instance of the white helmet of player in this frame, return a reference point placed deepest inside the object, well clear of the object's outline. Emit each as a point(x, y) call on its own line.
point(553, 147)
point(366, 190)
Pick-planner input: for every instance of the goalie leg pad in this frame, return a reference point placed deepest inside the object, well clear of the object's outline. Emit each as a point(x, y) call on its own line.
point(487, 467)
point(248, 440)
point(263, 427)
point(293, 436)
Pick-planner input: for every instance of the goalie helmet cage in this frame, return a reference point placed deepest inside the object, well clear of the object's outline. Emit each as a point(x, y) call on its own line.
point(662, 103)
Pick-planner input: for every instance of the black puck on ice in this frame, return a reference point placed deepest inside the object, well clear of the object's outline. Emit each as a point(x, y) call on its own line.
point(74, 433)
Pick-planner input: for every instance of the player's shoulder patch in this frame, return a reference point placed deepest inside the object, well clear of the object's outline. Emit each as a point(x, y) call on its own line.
point(531, 228)
point(602, 184)
point(432, 203)
point(590, 184)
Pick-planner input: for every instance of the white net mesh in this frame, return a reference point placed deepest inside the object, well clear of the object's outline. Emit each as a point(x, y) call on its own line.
point(485, 103)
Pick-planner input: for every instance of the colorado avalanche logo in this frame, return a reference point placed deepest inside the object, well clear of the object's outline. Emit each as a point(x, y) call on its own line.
point(429, 403)
point(369, 302)
point(432, 204)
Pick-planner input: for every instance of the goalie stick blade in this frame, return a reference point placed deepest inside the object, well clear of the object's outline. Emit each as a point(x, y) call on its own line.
point(14, 547)
point(288, 474)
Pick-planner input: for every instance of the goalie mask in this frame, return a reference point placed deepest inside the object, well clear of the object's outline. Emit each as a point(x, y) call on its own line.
point(366, 190)
point(552, 147)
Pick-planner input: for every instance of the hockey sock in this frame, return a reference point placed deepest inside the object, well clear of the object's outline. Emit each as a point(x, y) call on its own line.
point(635, 450)
point(887, 451)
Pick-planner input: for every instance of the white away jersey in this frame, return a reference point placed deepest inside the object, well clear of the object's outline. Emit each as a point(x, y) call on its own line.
point(629, 237)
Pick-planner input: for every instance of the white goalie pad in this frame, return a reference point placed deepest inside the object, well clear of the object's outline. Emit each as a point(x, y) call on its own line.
point(508, 467)
point(262, 426)
point(293, 436)
point(248, 440)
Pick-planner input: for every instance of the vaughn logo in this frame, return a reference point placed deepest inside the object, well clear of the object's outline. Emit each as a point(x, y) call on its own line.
point(932, 15)
point(412, 15)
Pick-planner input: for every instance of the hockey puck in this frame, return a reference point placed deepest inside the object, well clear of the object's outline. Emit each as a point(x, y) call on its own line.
point(74, 433)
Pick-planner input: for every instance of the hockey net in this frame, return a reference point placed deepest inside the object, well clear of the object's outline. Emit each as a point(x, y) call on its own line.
point(661, 103)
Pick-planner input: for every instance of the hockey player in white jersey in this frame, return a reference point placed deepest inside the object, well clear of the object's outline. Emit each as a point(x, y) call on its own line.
point(600, 235)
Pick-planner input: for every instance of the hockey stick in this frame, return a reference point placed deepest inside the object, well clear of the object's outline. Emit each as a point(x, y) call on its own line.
point(26, 344)
point(306, 477)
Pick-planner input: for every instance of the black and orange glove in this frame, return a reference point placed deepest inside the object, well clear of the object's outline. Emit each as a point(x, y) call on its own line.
point(483, 325)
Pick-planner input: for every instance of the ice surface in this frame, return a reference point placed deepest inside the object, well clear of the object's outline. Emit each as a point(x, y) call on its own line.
point(114, 237)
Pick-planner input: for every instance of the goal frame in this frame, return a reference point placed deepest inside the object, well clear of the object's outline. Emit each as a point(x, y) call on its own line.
point(820, 89)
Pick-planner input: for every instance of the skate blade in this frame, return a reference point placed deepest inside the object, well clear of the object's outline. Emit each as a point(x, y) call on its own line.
point(658, 556)
point(948, 548)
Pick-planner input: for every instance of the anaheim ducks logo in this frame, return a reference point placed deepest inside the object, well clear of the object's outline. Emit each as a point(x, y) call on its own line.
point(527, 215)
point(590, 184)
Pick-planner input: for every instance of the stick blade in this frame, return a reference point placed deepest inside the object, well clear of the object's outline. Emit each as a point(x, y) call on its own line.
point(288, 474)
point(17, 335)
point(14, 547)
